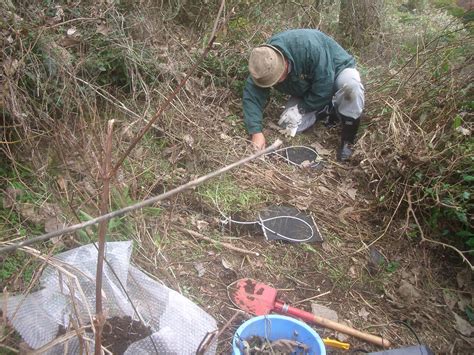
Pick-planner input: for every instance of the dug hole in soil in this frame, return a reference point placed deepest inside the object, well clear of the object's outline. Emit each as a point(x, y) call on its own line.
point(119, 333)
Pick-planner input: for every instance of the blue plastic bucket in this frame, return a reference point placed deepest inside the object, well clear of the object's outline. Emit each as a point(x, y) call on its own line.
point(274, 327)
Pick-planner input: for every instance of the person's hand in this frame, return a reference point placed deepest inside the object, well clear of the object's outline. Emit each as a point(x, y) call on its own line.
point(290, 119)
point(258, 141)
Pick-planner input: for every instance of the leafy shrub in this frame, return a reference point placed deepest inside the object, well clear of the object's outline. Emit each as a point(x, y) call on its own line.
point(54, 68)
point(447, 195)
point(423, 146)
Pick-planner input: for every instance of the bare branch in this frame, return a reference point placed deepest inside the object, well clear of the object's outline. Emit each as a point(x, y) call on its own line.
point(216, 21)
point(144, 203)
point(104, 206)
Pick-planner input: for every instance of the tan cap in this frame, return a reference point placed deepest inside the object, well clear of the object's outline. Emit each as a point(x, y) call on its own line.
point(266, 65)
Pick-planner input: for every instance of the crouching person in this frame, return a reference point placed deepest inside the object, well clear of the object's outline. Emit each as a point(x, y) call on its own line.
point(317, 73)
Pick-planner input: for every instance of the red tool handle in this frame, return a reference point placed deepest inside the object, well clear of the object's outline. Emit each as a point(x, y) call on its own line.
point(281, 307)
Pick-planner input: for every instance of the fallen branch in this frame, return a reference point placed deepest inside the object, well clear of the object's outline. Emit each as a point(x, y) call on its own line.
point(147, 202)
point(223, 244)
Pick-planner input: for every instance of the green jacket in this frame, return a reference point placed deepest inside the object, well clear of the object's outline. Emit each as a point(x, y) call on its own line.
point(315, 60)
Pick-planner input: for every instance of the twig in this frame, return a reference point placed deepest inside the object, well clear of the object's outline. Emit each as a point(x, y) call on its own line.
point(415, 56)
point(73, 20)
point(106, 96)
point(366, 247)
point(15, 351)
point(225, 245)
point(58, 340)
point(424, 239)
point(104, 203)
point(62, 268)
point(191, 184)
point(210, 336)
point(312, 298)
point(216, 21)
point(117, 278)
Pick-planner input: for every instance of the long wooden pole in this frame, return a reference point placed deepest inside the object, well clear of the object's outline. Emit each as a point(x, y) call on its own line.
point(104, 206)
point(144, 203)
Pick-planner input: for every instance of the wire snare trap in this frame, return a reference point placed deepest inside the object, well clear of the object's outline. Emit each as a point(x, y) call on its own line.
point(286, 223)
point(283, 223)
point(300, 156)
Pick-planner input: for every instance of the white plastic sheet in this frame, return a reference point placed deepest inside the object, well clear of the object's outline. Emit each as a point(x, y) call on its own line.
point(66, 298)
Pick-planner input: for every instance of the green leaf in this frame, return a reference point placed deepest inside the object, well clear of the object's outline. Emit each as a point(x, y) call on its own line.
point(114, 223)
point(445, 67)
point(83, 216)
point(468, 178)
point(392, 266)
point(466, 195)
point(469, 313)
point(464, 234)
point(309, 248)
point(462, 217)
point(83, 236)
point(457, 121)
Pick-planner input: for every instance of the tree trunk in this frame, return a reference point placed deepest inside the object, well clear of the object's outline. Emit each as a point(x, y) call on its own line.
point(359, 21)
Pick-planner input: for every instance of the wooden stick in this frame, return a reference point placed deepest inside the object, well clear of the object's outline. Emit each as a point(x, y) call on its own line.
point(283, 308)
point(225, 245)
point(104, 206)
point(191, 184)
point(314, 297)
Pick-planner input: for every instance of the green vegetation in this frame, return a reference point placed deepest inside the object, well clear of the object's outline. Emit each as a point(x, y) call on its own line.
point(428, 131)
point(17, 270)
point(229, 71)
point(226, 195)
point(23, 191)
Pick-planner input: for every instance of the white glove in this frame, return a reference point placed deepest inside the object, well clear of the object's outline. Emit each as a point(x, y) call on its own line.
point(290, 119)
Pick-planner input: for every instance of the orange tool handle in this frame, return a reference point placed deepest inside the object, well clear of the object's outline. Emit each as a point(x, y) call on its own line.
point(281, 307)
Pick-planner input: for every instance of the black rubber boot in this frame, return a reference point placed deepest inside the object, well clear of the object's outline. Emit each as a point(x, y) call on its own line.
point(350, 126)
point(332, 118)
